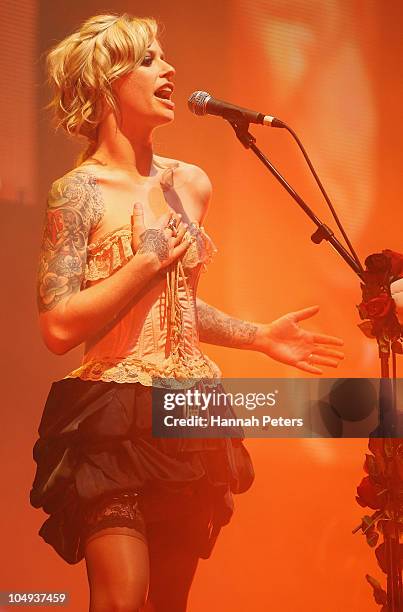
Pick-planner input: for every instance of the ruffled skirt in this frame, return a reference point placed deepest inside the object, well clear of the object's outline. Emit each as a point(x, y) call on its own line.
point(95, 440)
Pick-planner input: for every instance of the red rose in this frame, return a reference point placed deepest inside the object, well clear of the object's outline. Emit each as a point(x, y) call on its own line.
point(396, 263)
point(375, 467)
point(368, 494)
point(378, 263)
point(383, 447)
point(378, 307)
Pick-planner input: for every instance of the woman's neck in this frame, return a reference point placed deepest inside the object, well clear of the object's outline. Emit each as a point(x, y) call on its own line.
point(128, 149)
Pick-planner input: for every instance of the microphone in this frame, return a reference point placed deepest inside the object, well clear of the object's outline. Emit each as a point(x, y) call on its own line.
point(202, 103)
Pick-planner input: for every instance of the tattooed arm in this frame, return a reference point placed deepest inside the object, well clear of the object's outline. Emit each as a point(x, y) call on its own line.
point(283, 339)
point(216, 327)
point(67, 315)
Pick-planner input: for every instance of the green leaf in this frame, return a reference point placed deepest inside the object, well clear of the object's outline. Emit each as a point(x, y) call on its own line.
point(372, 537)
point(366, 328)
point(366, 522)
point(379, 593)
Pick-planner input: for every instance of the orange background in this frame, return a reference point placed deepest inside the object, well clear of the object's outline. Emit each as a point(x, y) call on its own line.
point(332, 70)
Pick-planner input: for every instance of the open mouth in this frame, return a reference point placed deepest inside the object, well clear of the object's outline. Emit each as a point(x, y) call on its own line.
point(164, 94)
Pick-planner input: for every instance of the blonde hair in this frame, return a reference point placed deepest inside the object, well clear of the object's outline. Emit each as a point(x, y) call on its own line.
point(83, 66)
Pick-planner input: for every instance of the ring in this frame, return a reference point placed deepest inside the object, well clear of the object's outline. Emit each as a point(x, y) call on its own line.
point(172, 224)
point(310, 357)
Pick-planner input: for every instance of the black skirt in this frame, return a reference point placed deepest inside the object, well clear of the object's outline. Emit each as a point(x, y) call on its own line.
point(95, 440)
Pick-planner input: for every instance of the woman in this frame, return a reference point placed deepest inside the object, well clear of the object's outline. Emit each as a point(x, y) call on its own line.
point(122, 251)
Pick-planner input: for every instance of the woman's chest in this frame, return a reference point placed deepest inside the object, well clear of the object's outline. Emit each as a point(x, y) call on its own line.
point(110, 241)
point(157, 200)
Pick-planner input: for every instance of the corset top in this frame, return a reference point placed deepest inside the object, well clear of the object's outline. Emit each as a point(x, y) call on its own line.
point(156, 334)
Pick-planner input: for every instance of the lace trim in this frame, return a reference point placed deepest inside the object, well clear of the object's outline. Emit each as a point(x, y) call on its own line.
point(118, 511)
point(202, 250)
point(134, 370)
point(98, 243)
point(108, 254)
point(114, 250)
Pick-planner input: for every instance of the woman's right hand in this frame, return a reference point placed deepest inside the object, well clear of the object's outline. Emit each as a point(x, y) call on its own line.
point(164, 244)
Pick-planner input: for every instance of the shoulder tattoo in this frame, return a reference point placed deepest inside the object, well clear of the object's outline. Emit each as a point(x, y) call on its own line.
point(75, 205)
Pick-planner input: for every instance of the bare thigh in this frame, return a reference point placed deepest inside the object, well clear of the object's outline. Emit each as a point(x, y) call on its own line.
point(117, 569)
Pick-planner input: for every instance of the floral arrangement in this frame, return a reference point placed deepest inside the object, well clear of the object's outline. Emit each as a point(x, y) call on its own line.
point(382, 491)
point(377, 308)
point(382, 488)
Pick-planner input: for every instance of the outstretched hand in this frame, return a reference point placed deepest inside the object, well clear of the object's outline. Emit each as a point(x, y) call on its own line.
point(287, 342)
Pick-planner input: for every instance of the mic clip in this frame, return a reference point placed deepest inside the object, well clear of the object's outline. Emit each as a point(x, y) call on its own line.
point(240, 126)
point(322, 233)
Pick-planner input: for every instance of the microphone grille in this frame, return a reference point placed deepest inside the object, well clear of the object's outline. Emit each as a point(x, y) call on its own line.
point(197, 102)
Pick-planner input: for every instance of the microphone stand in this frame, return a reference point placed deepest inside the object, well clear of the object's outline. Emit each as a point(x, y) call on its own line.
point(323, 232)
point(388, 422)
point(388, 426)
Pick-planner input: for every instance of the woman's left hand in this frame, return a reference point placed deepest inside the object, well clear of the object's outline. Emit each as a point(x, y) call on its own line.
point(287, 342)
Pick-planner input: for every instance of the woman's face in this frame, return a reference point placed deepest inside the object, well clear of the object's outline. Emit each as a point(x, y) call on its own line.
point(144, 95)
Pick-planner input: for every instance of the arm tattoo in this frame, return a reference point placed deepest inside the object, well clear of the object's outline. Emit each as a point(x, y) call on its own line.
point(216, 327)
point(74, 205)
point(154, 241)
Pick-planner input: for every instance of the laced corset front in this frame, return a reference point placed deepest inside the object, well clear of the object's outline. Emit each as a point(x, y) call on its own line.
point(156, 334)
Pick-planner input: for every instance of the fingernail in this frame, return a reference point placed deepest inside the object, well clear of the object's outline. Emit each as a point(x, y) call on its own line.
point(137, 205)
